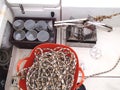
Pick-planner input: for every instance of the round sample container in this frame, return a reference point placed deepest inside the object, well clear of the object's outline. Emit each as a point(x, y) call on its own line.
point(41, 25)
point(31, 35)
point(29, 24)
point(19, 35)
point(43, 36)
point(18, 24)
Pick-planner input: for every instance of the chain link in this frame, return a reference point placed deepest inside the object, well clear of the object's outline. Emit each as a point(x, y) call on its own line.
point(101, 18)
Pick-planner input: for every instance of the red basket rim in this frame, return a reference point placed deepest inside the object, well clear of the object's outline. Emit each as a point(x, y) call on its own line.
point(29, 61)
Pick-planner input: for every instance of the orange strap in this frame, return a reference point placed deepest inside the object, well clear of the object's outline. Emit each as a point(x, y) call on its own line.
point(82, 78)
point(19, 63)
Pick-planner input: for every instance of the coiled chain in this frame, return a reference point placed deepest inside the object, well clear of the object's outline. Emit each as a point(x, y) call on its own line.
point(53, 69)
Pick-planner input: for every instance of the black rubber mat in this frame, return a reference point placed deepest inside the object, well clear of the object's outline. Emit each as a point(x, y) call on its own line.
point(5, 55)
point(3, 75)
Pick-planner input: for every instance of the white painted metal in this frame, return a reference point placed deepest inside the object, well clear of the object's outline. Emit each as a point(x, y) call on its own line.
point(36, 3)
point(35, 8)
point(108, 42)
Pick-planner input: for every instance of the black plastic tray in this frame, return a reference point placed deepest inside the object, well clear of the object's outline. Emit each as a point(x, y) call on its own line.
point(31, 44)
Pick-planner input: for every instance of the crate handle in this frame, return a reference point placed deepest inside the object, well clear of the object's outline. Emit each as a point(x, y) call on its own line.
point(20, 63)
point(82, 78)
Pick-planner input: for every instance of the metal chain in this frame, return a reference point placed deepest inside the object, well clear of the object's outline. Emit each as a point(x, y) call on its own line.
point(93, 75)
point(50, 65)
point(101, 18)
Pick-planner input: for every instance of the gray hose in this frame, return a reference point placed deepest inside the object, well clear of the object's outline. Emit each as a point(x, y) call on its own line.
point(4, 57)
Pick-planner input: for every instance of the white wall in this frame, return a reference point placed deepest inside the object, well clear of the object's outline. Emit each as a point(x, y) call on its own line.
point(1, 4)
point(91, 3)
point(83, 8)
point(36, 8)
point(36, 12)
point(83, 12)
point(5, 15)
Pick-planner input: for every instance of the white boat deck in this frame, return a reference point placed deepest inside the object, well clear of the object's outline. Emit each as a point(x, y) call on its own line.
point(109, 45)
